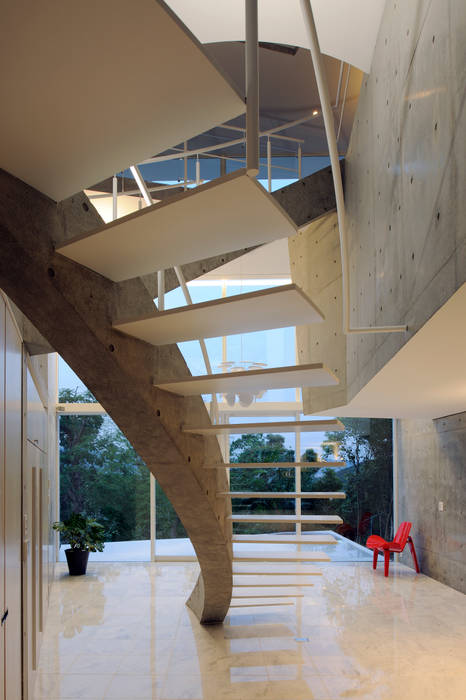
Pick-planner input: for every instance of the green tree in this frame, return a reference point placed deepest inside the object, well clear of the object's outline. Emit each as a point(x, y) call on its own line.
point(261, 448)
point(101, 475)
point(309, 455)
point(78, 435)
point(366, 447)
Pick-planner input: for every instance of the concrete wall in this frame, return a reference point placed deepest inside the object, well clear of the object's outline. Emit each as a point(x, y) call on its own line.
point(432, 468)
point(404, 184)
point(320, 278)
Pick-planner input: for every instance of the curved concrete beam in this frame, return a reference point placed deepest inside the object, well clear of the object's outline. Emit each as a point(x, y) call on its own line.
point(73, 308)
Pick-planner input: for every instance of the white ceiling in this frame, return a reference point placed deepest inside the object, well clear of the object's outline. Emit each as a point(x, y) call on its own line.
point(426, 378)
point(347, 29)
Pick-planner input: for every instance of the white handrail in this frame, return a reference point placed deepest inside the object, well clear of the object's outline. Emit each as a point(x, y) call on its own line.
point(336, 172)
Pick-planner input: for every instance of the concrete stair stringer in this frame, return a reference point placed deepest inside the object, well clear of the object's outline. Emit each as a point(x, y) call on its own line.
point(72, 308)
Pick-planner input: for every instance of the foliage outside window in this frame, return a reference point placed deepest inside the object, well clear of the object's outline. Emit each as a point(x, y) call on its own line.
point(102, 476)
point(366, 479)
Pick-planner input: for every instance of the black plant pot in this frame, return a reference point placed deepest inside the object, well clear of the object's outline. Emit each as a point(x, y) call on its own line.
point(77, 561)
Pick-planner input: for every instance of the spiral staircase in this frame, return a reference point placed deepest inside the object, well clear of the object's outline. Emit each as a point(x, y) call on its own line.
point(83, 283)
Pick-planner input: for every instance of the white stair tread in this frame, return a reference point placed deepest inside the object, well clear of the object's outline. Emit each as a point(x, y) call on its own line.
point(258, 604)
point(240, 581)
point(273, 569)
point(275, 465)
point(282, 494)
point(291, 426)
point(91, 116)
point(283, 539)
point(278, 307)
point(279, 555)
point(260, 518)
point(253, 380)
point(229, 213)
point(265, 593)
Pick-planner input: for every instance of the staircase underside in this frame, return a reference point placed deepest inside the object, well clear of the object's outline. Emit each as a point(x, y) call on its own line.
point(84, 76)
point(255, 311)
point(72, 308)
point(253, 380)
point(231, 212)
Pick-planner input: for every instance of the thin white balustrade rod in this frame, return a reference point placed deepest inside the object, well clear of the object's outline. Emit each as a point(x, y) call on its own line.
point(252, 87)
point(159, 188)
point(336, 172)
point(262, 134)
point(161, 290)
point(205, 354)
point(179, 273)
point(114, 198)
point(340, 77)
point(269, 165)
point(136, 173)
point(198, 151)
point(343, 104)
point(243, 160)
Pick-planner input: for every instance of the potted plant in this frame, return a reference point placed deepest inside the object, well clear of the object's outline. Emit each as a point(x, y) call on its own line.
point(84, 535)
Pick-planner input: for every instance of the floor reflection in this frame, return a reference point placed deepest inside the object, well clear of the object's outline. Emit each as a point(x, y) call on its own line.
point(123, 631)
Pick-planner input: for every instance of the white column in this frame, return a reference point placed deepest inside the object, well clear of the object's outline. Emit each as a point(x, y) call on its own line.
point(298, 476)
point(269, 164)
point(152, 506)
point(114, 198)
point(161, 290)
point(252, 87)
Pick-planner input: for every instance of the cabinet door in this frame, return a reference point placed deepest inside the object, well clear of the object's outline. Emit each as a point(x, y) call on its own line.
point(2, 496)
point(36, 418)
point(31, 467)
point(12, 512)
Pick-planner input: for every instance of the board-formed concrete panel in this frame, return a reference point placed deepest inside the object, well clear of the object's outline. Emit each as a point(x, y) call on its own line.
point(316, 265)
point(404, 179)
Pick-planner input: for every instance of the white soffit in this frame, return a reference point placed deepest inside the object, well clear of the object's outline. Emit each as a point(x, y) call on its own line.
point(253, 380)
point(347, 29)
point(229, 213)
point(426, 378)
point(278, 307)
point(89, 88)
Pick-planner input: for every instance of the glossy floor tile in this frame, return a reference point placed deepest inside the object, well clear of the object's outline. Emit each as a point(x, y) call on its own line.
point(123, 631)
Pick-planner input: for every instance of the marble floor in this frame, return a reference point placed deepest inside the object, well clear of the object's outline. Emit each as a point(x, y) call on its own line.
point(123, 631)
point(139, 550)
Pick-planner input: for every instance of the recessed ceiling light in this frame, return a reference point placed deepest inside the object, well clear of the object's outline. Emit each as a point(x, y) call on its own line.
point(315, 112)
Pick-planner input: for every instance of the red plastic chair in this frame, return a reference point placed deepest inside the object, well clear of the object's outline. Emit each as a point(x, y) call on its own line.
point(378, 544)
